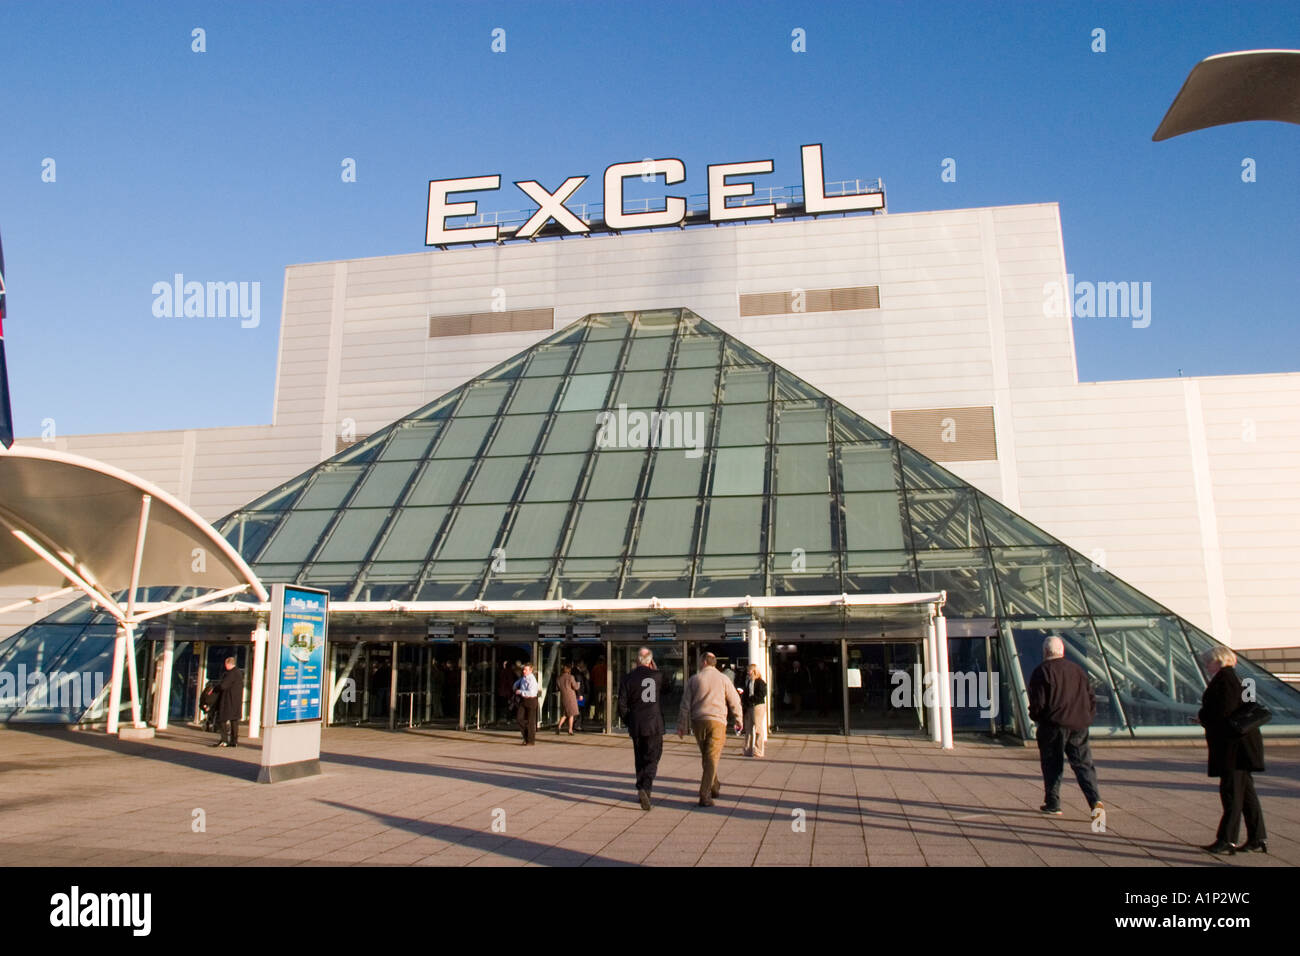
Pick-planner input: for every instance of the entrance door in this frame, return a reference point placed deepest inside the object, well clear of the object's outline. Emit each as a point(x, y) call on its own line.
point(805, 693)
point(586, 660)
point(668, 659)
point(883, 692)
point(507, 667)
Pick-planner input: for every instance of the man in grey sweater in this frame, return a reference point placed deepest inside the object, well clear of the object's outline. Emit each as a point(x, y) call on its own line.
point(709, 699)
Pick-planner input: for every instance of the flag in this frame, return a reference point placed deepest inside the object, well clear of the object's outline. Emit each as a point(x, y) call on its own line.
point(6, 413)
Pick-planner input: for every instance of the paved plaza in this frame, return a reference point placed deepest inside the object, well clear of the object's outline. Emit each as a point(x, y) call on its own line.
point(433, 798)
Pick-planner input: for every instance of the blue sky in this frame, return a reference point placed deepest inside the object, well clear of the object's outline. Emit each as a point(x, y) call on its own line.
point(225, 165)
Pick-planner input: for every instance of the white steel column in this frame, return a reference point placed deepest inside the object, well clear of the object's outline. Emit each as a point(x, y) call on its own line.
point(131, 674)
point(115, 681)
point(945, 680)
point(259, 678)
point(930, 693)
point(163, 692)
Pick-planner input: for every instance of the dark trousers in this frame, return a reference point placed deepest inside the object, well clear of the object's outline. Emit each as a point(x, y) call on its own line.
point(1237, 792)
point(526, 718)
point(230, 731)
point(646, 751)
point(1055, 744)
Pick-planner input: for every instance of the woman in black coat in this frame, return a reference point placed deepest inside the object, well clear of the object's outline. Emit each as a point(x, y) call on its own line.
point(1233, 757)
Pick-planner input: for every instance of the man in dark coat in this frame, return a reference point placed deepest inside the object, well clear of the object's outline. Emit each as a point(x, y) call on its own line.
point(230, 708)
point(1233, 756)
point(1063, 704)
point(640, 695)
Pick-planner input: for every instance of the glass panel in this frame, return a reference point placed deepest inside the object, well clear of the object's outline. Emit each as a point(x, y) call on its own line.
point(1107, 594)
point(586, 391)
point(873, 521)
point(879, 698)
point(1037, 581)
point(536, 531)
point(667, 527)
point(693, 386)
point(791, 387)
point(879, 572)
point(329, 488)
point(572, 431)
point(658, 577)
point(483, 398)
point(728, 576)
point(297, 537)
point(601, 529)
point(850, 426)
point(615, 475)
point(440, 482)
point(473, 532)
point(1004, 527)
point(453, 581)
point(383, 484)
point(354, 534)
point(746, 384)
point(410, 440)
point(554, 478)
point(516, 435)
point(1080, 647)
point(944, 519)
point(609, 325)
point(588, 578)
point(920, 472)
point(550, 360)
point(802, 468)
point(743, 425)
point(648, 353)
point(639, 390)
point(697, 351)
point(280, 498)
point(734, 526)
point(519, 581)
point(336, 578)
point(739, 471)
point(496, 481)
point(965, 575)
point(805, 573)
point(738, 353)
point(659, 321)
point(534, 394)
point(394, 572)
point(1157, 680)
point(248, 532)
point(675, 475)
point(463, 438)
point(802, 521)
point(867, 467)
point(800, 422)
point(598, 357)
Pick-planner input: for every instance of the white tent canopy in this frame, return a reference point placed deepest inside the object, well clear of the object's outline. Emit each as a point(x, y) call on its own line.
point(72, 523)
point(1236, 88)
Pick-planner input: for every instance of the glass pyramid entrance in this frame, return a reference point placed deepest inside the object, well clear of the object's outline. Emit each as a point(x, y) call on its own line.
point(650, 454)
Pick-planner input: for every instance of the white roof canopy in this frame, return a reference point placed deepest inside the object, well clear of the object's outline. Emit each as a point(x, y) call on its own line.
point(69, 522)
point(1236, 88)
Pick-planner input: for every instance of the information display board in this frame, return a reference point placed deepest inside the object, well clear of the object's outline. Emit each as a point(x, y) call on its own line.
point(300, 684)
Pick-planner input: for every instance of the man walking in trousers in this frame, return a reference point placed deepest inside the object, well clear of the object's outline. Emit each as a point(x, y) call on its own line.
point(1062, 703)
point(526, 689)
point(639, 696)
point(709, 699)
point(230, 704)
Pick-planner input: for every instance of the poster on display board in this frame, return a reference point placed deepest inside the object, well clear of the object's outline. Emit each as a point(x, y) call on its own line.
point(300, 622)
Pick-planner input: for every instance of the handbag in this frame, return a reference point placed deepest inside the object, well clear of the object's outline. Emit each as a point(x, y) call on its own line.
point(1249, 716)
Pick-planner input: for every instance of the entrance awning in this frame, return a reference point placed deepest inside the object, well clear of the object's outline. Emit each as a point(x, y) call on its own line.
point(1236, 88)
point(74, 524)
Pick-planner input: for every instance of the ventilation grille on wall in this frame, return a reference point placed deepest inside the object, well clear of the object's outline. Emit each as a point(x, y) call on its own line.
point(480, 323)
point(340, 443)
point(810, 300)
point(948, 434)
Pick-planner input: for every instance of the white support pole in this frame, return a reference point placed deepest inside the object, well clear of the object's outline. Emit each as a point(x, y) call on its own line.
point(259, 678)
point(134, 678)
point(945, 680)
point(929, 692)
point(115, 681)
point(163, 692)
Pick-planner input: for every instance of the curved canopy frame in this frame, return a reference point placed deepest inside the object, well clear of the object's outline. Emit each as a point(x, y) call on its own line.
point(72, 523)
point(1236, 88)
